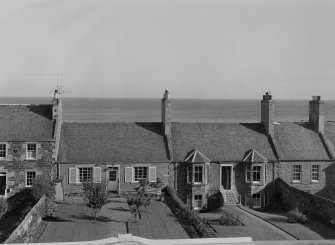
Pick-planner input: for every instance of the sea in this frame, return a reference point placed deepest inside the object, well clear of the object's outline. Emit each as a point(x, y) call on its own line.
point(183, 110)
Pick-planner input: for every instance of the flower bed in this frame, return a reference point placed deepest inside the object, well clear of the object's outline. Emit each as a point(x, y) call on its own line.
point(183, 213)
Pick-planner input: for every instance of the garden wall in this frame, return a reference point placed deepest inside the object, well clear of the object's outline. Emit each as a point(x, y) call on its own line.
point(308, 203)
point(30, 223)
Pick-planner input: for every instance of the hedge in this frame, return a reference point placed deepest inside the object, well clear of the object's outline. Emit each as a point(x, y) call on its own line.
point(182, 211)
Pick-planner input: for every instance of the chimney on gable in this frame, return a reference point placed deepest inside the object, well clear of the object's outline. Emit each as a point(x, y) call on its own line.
point(57, 104)
point(317, 114)
point(166, 113)
point(267, 113)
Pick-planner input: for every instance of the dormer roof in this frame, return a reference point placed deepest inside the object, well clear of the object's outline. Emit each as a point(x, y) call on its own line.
point(253, 156)
point(196, 156)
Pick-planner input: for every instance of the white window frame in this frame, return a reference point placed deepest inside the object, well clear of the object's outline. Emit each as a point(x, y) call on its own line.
point(27, 151)
point(318, 173)
point(197, 201)
point(91, 173)
point(202, 174)
point(138, 179)
point(294, 172)
point(257, 200)
point(6, 151)
point(247, 173)
point(26, 175)
point(189, 174)
point(260, 173)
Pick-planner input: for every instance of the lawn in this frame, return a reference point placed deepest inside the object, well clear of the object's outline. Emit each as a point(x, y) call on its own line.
point(75, 222)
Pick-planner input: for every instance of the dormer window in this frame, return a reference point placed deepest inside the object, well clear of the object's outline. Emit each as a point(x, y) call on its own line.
point(3, 151)
point(31, 151)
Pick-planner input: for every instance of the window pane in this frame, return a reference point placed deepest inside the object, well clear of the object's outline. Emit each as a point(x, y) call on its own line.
point(141, 173)
point(85, 174)
point(257, 173)
point(296, 173)
point(247, 173)
point(31, 151)
point(2, 150)
point(30, 176)
point(315, 172)
point(198, 174)
point(256, 198)
point(189, 174)
point(197, 201)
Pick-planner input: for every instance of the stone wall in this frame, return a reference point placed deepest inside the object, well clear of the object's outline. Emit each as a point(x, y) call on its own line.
point(308, 203)
point(29, 224)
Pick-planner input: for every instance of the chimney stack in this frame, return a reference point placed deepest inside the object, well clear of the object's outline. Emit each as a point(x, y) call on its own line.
point(267, 113)
point(317, 114)
point(166, 113)
point(57, 105)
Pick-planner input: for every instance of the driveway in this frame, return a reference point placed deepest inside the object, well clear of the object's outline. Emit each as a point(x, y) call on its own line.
point(253, 227)
point(75, 222)
point(312, 230)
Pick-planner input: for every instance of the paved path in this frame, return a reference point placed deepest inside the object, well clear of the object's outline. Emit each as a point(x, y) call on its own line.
point(74, 222)
point(253, 227)
point(311, 231)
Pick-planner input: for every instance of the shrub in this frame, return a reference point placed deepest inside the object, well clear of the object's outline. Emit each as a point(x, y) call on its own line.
point(296, 216)
point(230, 218)
point(3, 206)
point(96, 196)
point(43, 186)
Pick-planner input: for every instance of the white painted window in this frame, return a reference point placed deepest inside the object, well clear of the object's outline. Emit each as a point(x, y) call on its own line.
point(256, 200)
point(296, 173)
point(30, 177)
point(140, 173)
point(247, 173)
point(31, 151)
point(198, 174)
point(3, 151)
point(85, 174)
point(197, 201)
point(189, 174)
point(315, 173)
point(256, 174)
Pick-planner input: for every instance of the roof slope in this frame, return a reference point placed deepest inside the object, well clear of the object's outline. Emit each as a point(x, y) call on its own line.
point(330, 136)
point(26, 122)
point(220, 141)
point(112, 142)
point(298, 141)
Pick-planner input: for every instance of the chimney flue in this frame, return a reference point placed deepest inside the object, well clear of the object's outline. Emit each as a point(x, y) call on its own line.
point(267, 113)
point(166, 113)
point(317, 114)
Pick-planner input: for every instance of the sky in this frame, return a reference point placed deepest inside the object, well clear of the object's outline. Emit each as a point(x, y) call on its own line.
point(194, 48)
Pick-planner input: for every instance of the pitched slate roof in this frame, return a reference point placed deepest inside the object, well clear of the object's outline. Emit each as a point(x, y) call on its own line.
point(220, 141)
point(26, 122)
point(298, 141)
point(112, 142)
point(253, 156)
point(330, 136)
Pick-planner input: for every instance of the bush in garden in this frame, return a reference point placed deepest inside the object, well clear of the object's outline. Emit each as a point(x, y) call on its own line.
point(96, 196)
point(43, 186)
point(3, 206)
point(229, 218)
point(296, 216)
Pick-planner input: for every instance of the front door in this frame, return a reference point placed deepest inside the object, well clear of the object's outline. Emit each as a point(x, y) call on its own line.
point(226, 177)
point(2, 183)
point(113, 179)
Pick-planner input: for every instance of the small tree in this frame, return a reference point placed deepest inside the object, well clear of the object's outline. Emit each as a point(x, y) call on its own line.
point(3, 206)
point(96, 196)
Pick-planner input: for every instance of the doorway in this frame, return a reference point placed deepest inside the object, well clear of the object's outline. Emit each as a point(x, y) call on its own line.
point(2, 183)
point(226, 173)
point(113, 179)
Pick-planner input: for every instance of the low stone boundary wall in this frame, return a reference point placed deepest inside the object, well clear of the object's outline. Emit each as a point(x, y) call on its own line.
point(29, 224)
point(128, 239)
point(308, 203)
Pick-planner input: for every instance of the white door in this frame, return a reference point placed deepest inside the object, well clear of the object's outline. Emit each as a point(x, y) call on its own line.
point(113, 179)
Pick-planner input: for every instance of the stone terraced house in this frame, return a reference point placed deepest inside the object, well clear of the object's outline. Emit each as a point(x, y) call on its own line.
point(27, 143)
point(239, 160)
point(200, 160)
